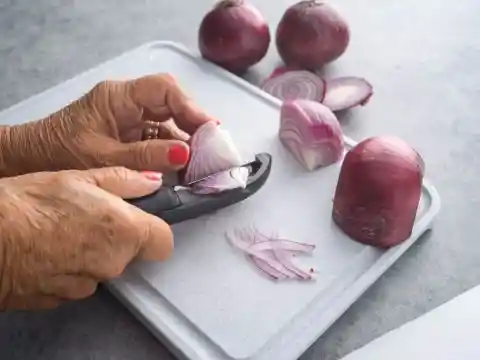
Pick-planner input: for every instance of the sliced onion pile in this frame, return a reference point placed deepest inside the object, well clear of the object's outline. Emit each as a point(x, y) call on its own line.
point(212, 151)
point(346, 92)
point(296, 84)
point(311, 132)
point(226, 180)
point(378, 191)
point(271, 255)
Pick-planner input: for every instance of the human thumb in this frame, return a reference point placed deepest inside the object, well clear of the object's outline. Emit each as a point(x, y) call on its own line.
point(126, 183)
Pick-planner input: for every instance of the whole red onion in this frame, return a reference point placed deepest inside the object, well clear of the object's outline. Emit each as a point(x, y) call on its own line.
point(378, 191)
point(310, 34)
point(234, 35)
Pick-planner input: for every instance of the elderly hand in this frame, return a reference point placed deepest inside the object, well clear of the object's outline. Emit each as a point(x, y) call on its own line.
point(106, 128)
point(64, 232)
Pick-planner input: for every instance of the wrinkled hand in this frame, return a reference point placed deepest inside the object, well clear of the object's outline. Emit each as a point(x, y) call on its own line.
point(64, 232)
point(104, 128)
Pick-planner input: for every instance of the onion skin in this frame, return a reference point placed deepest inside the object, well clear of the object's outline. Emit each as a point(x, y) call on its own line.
point(378, 191)
point(234, 35)
point(311, 132)
point(310, 34)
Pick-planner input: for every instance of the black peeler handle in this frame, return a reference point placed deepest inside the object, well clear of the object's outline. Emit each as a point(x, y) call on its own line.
point(174, 206)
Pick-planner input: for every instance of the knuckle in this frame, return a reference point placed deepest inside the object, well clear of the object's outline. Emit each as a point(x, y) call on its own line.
point(167, 78)
point(102, 86)
point(143, 153)
point(121, 172)
point(63, 179)
point(114, 271)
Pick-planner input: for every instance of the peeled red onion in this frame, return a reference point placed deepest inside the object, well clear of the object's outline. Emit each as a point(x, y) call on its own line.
point(234, 35)
point(211, 151)
point(311, 132)
point(310, 34)
point(378, 191)
point(297, 84)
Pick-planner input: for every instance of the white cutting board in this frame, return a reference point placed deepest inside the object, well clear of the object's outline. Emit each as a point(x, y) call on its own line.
point(448, 332)
point(207, 302)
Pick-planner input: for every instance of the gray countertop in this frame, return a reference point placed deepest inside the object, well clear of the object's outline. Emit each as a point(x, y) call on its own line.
point(422, 57)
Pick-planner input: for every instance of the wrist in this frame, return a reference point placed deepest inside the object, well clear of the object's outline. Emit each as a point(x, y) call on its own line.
point(23, 149)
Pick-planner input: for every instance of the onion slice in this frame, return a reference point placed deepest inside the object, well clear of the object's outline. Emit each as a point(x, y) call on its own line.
point(270, 255)
point(226, 180)
point(295, 84)
point(288, 245)
point(311, 132)
point(212, 151)
point(346, 92)
point(279, 70)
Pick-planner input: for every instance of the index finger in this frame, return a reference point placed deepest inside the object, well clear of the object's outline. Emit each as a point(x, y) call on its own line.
point(161, 97)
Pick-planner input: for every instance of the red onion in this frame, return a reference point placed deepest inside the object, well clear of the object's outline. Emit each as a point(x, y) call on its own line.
point(310, 34)
point(311, 132)
point(292, 85)
point(270, 254)
point(226, 180)
point(211, 151)
point(234, 35)
point(346, 92)
point(378, 191)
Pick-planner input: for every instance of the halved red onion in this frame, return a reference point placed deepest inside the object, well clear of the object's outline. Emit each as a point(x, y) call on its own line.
point(311, 132)
point(346, 92)
point(378, 191)
point(212, 151)
point(295, 84)
point(274, 259)
point(226, 180)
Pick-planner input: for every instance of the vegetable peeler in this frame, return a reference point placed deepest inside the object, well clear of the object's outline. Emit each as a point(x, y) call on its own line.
point(175, 204)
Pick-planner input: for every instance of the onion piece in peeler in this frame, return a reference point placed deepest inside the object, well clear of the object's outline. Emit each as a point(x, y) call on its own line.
point(225, 180)
point(212, 151)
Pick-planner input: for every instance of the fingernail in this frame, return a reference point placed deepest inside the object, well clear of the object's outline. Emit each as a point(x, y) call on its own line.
point(152, 175)
point(178, 155)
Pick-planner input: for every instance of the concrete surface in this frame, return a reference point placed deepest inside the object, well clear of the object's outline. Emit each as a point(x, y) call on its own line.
point(421, 56)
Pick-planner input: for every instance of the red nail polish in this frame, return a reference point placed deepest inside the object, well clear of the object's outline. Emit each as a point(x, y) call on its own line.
point(152, 175)
point(178, 155)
